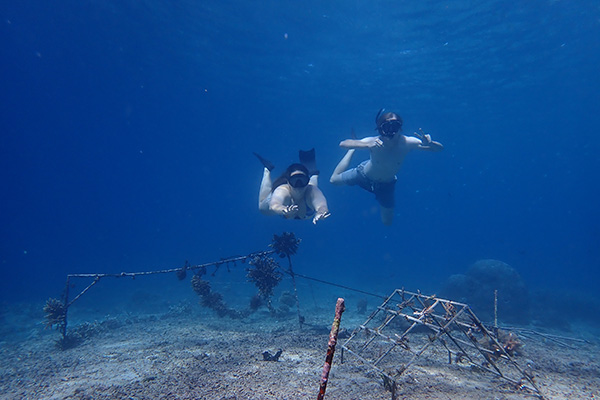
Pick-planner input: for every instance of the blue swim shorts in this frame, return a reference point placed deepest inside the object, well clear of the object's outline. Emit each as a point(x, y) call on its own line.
point(384, 191)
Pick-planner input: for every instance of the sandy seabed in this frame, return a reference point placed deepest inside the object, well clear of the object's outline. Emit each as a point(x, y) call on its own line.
point(189, 353)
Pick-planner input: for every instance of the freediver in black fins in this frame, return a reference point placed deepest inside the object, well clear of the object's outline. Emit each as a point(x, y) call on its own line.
point(295, 194)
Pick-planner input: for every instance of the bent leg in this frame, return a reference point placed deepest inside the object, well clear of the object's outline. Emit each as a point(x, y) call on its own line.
point(387, 215)
point(341, 167)
point(265, 189)
point(384, 193)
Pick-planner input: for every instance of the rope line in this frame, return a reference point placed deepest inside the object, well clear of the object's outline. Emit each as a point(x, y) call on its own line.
point(310, 278)
point(171, 270)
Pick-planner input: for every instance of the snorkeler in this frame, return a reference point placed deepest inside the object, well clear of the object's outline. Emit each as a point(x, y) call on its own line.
point(295, 194)
point(378, 174)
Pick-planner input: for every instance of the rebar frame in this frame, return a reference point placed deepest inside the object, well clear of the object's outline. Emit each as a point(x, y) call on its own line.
point(388, 346)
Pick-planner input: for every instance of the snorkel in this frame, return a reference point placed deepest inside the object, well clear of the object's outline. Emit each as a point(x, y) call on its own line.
point(377, 118)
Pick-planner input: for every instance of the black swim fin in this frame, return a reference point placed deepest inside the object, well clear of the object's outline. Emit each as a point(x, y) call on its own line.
point(307, 158)
point(268, 164)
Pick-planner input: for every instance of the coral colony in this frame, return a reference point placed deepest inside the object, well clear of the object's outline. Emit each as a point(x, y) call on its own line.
point(285, 245)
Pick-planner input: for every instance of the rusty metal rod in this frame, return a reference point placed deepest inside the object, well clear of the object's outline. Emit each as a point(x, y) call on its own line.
point(335, 328)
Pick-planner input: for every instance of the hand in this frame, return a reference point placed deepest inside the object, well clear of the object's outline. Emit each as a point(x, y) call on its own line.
point(376, 143)
point(425, 137)
point(290, 211)
point(320, 216)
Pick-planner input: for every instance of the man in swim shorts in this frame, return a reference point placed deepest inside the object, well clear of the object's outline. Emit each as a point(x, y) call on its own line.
point(378, 174)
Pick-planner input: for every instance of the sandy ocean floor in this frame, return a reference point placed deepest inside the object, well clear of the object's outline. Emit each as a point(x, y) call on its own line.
point(187, 352)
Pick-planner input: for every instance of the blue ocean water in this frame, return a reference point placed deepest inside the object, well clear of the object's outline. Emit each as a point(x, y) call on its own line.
point(128, 129)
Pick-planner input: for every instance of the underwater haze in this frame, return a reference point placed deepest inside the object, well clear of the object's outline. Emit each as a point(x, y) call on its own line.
point(128, 129)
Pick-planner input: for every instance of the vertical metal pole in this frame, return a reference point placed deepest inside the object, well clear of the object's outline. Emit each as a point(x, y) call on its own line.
point(335, 328)
point(496, 312)
point(66, 304)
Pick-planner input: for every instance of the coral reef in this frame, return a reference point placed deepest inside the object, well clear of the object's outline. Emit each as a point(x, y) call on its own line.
point(200, 286)
point(264, 275)
point(212, 299)
point(285, 245)
point(56, 313)
point(511, 343)
point(508, 340)
point(182, 273)
point(477, 287)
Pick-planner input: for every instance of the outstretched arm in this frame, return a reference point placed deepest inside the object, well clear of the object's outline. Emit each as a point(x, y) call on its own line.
point(426, 142)
point(364, 143)
point(316, 199)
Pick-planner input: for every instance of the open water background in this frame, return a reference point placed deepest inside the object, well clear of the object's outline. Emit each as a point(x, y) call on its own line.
point(127, 129)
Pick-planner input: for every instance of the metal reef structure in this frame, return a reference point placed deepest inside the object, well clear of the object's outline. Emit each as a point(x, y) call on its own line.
point(392, 339)
point(407, 324)
point(264, 272)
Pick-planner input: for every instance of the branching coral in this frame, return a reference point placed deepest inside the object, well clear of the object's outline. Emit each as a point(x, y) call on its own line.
point(509, 342)
point(285, 245)
point(212, 299)
point(264, 275)
point(56, 313)
point(200, 286)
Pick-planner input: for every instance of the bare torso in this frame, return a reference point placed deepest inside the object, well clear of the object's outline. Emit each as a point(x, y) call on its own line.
point(386, 159)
